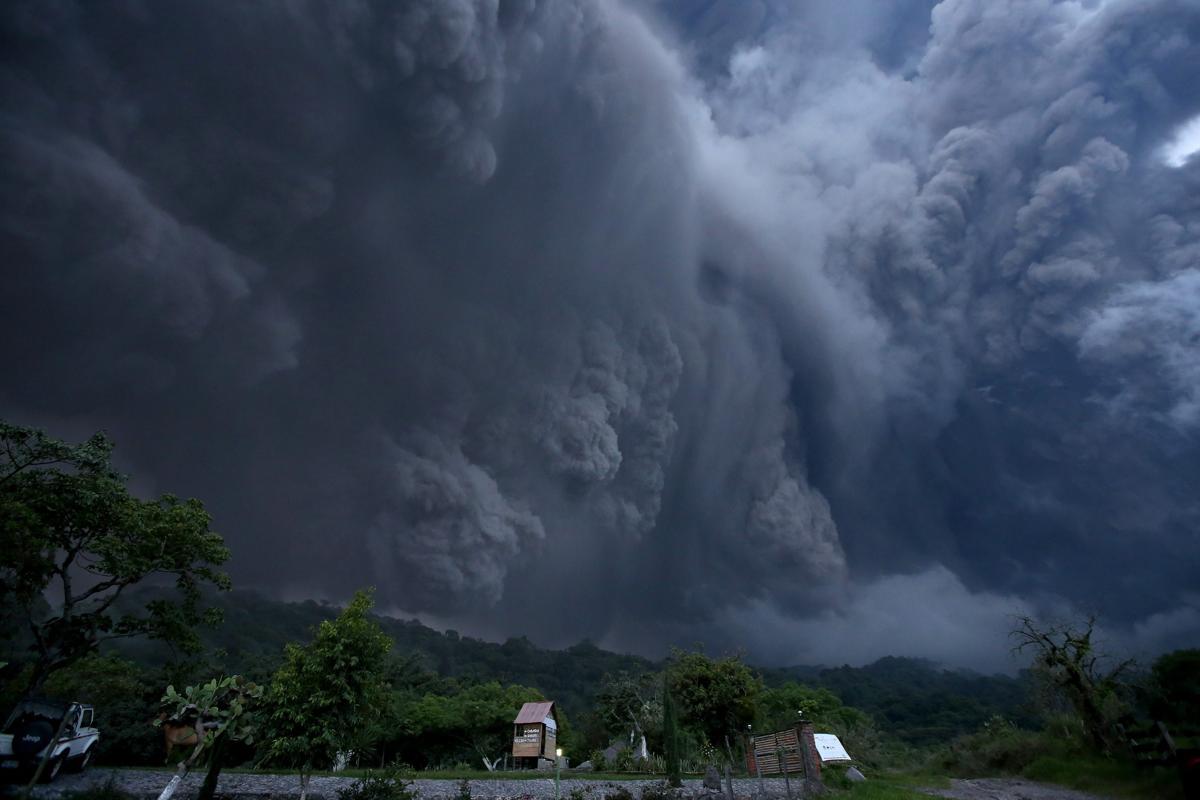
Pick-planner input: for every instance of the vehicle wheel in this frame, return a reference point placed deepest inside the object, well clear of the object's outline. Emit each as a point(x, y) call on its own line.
point(81, 763)
point(52, 769)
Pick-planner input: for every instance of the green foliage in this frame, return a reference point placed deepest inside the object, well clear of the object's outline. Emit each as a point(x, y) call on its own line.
point(328, 689)
point(909, 699)
point(780, 707)
point(599, 762)
point(1111, 776)
point(654, 764)
point(875, 789)
point(125, 701)
point(1173, 688)
point(917, 702)
point(628, 702)
point(997, 748)
point(658, 791)
point(1065, 656)
point(473, 722)
point(382, 785)
point(716, 697)
point(1061, 754)
point(220, 708)
point(64, 510)
point(256, 629)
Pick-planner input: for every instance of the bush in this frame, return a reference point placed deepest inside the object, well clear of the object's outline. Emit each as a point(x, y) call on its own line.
point(658, 791)
point(464, 790)
point(624, 761)
point(387, 785)
point(599, 762)
point(999, 747)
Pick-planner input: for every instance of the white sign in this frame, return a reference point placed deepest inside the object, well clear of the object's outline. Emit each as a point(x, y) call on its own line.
point(829, 747)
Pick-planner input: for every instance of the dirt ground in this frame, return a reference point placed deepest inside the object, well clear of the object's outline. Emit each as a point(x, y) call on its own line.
point(1009, 789)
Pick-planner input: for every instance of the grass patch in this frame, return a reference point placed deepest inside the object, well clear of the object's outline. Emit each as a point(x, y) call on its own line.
point(881, 785)
point(1090, 773)
point(1053, 756)
point(884, 788)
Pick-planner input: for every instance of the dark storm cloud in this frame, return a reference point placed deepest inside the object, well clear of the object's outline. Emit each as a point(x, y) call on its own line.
point(499, 305)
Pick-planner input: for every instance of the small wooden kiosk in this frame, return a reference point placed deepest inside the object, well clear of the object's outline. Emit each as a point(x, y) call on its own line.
point(535, 735)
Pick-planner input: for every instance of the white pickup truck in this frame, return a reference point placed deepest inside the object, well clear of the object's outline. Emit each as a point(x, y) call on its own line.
point(67, 729)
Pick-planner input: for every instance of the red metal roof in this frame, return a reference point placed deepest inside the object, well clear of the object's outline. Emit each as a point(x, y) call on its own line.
point(534, 712)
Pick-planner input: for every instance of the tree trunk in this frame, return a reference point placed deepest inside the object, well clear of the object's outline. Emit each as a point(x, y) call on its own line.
point(36, 680)
point(671, 737)
point(184, 766)
point(215, 762)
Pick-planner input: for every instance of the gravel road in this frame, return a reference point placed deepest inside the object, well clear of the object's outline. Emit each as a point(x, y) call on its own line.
point(1008, 789)
point(148, 783)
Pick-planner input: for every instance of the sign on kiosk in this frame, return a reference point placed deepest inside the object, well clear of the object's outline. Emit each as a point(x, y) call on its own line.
point(830, 748)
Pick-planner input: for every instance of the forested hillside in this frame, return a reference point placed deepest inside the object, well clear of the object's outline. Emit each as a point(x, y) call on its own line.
point(917, 700)
point(913, 699)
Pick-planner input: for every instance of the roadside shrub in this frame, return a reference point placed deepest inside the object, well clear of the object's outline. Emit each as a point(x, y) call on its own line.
point(658, 791)
point(999, 747)
point(388, 785)
point(624, 761)
point(599, 762)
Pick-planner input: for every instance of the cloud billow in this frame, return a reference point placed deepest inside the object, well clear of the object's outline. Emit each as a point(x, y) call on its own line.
point(680, 315)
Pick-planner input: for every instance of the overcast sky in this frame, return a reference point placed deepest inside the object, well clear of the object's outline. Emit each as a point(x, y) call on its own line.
point(827, 329)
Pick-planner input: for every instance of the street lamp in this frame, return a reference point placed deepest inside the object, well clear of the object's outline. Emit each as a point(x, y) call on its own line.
point(557, 770)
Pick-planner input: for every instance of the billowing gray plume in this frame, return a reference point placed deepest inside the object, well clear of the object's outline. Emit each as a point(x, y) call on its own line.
point(825, 329)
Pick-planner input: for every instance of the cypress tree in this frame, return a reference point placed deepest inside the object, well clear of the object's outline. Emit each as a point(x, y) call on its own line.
point(670, 735)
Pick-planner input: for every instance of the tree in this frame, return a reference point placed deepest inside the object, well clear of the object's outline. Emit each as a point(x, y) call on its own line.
point(780, 707)
point(478, 719)
point(219, 712)
point(1066, 657)
point(715, 697)
point(630, 704)
point(1174, 687)
point(124, 696)
point(70, 531)
point(328, 690)
point(671, 736)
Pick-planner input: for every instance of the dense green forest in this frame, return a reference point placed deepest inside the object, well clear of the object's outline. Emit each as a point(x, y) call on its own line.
point(910, 698)
point(906, 700)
